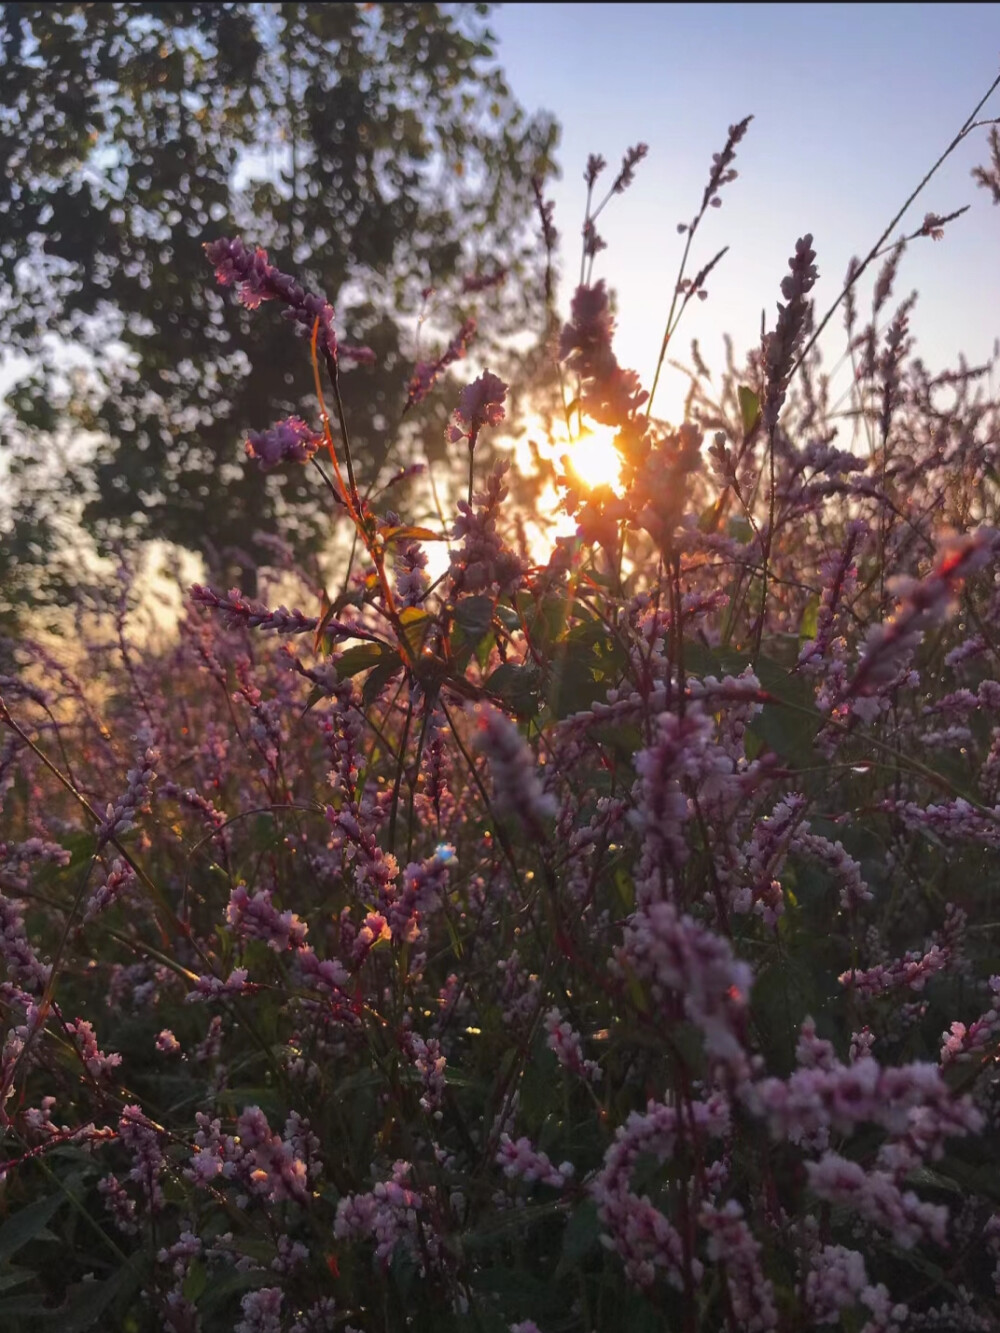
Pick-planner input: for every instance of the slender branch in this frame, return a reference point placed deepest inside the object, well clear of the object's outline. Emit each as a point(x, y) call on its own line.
point(969, 125)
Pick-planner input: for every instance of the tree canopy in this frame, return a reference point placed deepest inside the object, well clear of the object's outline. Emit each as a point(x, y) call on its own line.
point(373, 150)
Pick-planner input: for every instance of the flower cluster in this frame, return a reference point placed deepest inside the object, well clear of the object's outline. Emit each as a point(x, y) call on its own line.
point(480, 404)
point(258, 280)
point(290, 441)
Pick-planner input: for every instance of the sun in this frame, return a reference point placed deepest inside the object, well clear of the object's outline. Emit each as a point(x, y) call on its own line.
point(590, 456)
point(593, 457)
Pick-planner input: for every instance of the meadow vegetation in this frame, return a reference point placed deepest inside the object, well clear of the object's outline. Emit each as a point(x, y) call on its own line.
point(597, 939)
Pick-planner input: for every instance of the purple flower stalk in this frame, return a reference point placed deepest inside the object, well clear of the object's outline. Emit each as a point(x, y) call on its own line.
point(289, 441)
point(516, 787)
point(260, 281)
point(781, 346)
point(425, 373)
point(120, 816)
point(239, 611)
point(480, 404)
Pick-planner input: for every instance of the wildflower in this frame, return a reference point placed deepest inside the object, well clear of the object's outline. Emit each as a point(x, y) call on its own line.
point(595, 165)
point(412, 579)
point(568, 1047)
point(95, 1061)
point(480, 404)
point(546, 208)
point(238, 611)
point(261, 1311)
point(516, 788)
point(141, 1138)
point(585, 342)
point(612, 395)
point(22, 964)
point(120, 815)
point(474, 283)
point(484, 559)
point(626, 172)
point(835, 1281)
point(422, 887)
point(781, 346)
point(274, 1167)
point(120, 880)
point(723, 171)
point(644, 1238)
point(289, 441)
point(209, 987)
point(426, 373)
point(520, 1161)
point(255, 918)
point(430, 1065)
point(989, 177)
point(679, 957)
point(730, 1239)
point(389, 1215)
point(961, 1043)
point(874, 1196)
point(260, 281)
point(923, 604)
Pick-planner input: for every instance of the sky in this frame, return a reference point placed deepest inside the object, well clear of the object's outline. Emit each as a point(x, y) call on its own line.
point(852, 105)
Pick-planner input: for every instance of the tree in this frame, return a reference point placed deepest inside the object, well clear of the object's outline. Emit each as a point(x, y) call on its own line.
point(373, 150)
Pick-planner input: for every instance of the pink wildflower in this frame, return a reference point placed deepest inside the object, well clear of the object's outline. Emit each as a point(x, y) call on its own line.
point(290, 441)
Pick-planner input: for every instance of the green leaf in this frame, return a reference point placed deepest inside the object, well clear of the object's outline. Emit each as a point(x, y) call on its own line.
point(520, 1293)
point(23, 1313)
point(484, 649)
point(80, 847)
point(407, 532)
point(809, 623)
point(86, 1302)
point(28, 1224)
point(924, 1177)
point(85, 1308)
point(13, 1277)
point(548, 622)
point(789, 733)
point(415, 622)
point(622, 741)
point(573, 686)
point(749, 408)
point(327, 613)
point(590, 631)
point(414, 615)
point(788, 726)
point(517, 686)
point(582, 1235)
point(315, 694)
point(227, 1285)
point(359, 659)
point(474, 616)
point(195, 1282)
point(639, 1316)
point(268, 1099)
point(739, 529)
point(378, 678)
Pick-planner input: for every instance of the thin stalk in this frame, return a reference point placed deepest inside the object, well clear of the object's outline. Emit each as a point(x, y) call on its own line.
point(969, 125)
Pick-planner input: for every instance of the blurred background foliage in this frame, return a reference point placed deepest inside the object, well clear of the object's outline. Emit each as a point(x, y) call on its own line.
point(375, 151)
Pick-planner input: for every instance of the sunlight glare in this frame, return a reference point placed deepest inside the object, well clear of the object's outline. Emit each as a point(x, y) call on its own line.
point(594, 458)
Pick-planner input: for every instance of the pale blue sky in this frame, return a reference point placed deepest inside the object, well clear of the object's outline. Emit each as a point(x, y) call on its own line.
point(852, 104)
